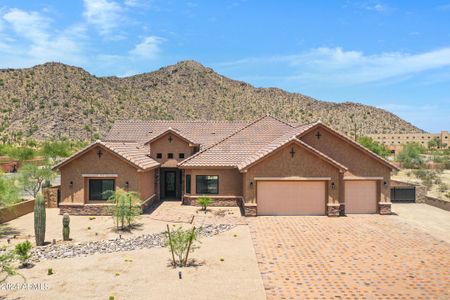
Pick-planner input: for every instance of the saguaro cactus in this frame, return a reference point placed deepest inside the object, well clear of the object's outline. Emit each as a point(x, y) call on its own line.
point(39, 220)
point(66, 227)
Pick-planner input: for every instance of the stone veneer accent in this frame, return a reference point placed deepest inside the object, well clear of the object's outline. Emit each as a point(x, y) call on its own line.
point(96, 209)
point(250, 209)
point(333, 210)
point(384, 208)
point(227, 201)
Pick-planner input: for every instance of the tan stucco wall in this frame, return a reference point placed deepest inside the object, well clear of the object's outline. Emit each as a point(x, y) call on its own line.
point(357, 161)
point(399, 139)
point(162, 145)
point(282, 164)
point(90, 163)
point(230, 180)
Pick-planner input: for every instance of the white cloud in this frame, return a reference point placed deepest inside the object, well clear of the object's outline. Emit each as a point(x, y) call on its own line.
point(148, 48)
point(339, 67)
point(104, 15)
point(377, 7)
point(35, 42)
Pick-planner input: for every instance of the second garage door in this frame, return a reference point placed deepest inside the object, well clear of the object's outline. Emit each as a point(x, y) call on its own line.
point(360, 197)
point(290, 198)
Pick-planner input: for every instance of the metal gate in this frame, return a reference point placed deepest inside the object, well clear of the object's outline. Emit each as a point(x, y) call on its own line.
point(399, 194)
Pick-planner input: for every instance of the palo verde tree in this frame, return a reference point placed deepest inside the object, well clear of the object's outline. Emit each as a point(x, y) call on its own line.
point(9, 192)
point(32, 177)
point(409, 156)
point(126, 207)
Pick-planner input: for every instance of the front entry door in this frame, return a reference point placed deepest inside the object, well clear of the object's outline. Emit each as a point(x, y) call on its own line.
point(170, 184)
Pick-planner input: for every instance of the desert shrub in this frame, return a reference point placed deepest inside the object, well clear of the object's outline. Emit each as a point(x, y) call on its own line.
point(126, 208)
point(428, 177)
point(181, 242)
point(374, 146)
point(22, 250)
point(56, 149)
point(21, 153)
point(7, 268)
point(409, 156)
point(443, 188)
point(9, 192)
point(204, 202)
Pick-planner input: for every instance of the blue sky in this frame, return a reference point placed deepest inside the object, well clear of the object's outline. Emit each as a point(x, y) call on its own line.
point(394, 55)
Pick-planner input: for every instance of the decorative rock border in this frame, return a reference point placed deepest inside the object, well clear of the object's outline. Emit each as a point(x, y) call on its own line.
point(145, 241)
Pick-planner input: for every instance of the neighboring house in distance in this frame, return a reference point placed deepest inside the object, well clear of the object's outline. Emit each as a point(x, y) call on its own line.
point(267, 166)
point(395, 142)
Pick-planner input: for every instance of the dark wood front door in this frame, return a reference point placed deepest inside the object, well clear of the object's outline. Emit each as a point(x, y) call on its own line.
point(170, 184)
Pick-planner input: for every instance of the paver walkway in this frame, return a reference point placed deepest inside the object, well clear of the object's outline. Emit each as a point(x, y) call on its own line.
point(173, 211)
point(356, 257)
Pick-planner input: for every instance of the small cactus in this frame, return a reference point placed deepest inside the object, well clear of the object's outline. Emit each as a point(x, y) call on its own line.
point(66, 227)
point(39, 220)
point(50, 271)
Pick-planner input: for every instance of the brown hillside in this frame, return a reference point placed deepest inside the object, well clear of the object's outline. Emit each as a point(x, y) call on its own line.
point(54, 100)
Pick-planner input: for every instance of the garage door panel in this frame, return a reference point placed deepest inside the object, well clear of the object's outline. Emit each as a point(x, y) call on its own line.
point(291, 198)
point(361, 197)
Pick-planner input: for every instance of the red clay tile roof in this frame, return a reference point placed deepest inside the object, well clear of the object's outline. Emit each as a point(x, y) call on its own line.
point(236, 148)
point(131, 152)
point(205, 133)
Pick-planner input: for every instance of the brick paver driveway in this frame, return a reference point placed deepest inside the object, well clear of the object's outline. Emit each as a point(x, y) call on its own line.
point(362, 257)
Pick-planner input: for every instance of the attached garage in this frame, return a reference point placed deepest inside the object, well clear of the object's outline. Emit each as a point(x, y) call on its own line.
point(284, 198)
point(360, 196)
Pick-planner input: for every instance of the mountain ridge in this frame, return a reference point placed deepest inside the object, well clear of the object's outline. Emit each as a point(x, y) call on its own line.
point(54, 100)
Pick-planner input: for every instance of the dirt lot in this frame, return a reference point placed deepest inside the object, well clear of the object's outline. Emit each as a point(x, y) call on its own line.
point(143, 274)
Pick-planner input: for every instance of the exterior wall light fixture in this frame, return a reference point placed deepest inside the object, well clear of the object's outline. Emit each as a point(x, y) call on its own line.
point(71, 184)
point(333, 186)
point(385, 184)
point(127, 184)
point(251, 184)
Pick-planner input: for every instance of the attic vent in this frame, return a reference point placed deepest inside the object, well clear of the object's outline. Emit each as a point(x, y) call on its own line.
point(151, 131)
point(213, 133)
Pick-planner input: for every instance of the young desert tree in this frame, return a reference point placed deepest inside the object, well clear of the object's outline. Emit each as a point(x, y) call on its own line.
point(181, 243)
point(32, 177)
point(126, 207)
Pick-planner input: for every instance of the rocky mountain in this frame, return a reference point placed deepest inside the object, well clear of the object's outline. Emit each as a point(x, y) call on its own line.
point(54, 100)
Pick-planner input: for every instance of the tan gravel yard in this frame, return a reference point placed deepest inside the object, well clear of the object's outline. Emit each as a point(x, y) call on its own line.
point(146, 273)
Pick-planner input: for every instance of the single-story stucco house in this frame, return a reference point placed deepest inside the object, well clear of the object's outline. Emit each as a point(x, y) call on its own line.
point(267, 166)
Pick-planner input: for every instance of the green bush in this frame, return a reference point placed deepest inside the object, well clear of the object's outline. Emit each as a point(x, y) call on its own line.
point(204, 202)
point(9, 192)
point(7, 267)
point(409, 156)
point(374, 146)
point(126, 208)
point(22, 250)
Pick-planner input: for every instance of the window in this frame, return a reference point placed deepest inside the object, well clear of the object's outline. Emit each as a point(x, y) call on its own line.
point(169, 155)
point(188, 184)
point(159, 155)
point(100, 189)
point(181, 155)
point(207, 184)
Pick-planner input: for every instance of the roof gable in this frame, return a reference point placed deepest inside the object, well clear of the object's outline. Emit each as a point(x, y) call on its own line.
point(131, 153)
point(178, 134)
point(277, 146)
point(350, 142)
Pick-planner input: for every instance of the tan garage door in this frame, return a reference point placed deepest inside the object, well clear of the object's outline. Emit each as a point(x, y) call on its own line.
point(290, 198)
point(360, 197)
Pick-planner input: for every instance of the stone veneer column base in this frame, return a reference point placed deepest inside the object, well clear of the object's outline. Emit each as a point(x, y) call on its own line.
point(250, 209)
point(341, 209)
point(384, 208)
point(333, 209)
